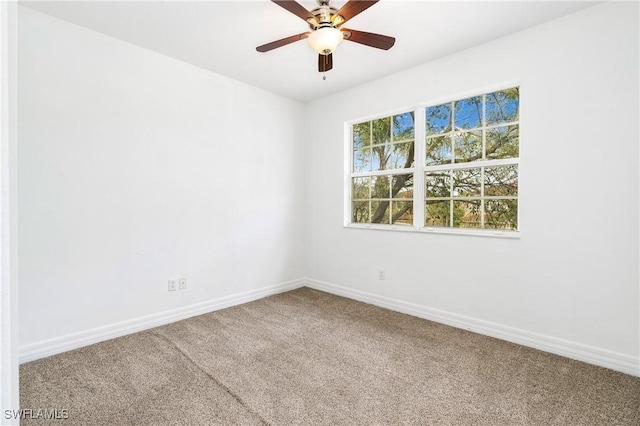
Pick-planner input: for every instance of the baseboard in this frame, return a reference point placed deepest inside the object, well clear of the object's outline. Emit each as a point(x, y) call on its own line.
point(592, 355)
point(76, 340)
point(589, 354)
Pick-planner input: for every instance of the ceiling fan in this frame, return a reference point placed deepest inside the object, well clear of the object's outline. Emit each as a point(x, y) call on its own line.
point(326, 33)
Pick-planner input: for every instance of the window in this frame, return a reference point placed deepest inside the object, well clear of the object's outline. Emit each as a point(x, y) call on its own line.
point(471, 162)
point(382, 161)
point(466, 175)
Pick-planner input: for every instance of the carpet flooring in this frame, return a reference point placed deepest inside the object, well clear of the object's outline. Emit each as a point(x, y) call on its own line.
point(308, 357)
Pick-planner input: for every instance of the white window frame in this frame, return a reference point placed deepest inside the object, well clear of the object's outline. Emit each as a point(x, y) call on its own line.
point(419, 169)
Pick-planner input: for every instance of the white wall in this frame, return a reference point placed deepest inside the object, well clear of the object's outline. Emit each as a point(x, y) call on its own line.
point(572, 277)
point(9, 385)
point(135, 168)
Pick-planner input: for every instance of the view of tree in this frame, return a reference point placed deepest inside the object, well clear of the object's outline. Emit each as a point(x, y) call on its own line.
point(467, 134)
point(379, 145)
point(480, 128)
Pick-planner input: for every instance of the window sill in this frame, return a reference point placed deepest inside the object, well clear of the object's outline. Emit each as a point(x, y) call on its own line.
point(449, 231)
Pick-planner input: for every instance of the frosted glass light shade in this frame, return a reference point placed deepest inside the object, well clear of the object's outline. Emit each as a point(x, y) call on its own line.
point(325, 40)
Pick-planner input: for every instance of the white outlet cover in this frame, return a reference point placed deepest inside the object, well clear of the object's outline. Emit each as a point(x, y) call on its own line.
point(173, 285)
point(182, 283)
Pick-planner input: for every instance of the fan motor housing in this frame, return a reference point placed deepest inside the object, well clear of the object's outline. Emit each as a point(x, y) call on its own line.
point(323, 15)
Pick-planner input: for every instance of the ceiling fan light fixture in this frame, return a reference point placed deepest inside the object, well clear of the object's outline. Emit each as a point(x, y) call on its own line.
point(325, 23)
point(325, 40)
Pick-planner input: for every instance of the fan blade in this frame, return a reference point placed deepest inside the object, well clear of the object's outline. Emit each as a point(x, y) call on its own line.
point(351, 9)
point(369, 39)
point(282, 42)
point(325, 62)
point(297, 9)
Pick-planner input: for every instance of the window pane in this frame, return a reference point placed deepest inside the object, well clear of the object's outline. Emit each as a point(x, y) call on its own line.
point(466, 214)
point(380, 211)
point(438, 213)
point(400, 156)
point(403, 126)
point(438, 150)
point(502, 106)
point(468, 146)
point(360, 212)
point(381, 130)
point(402, 186)
point(466, 183)
point(468, 113)
point(361, 135)
point(438, 119)
point(503, 142)
point(501, 181)
point(361, 188)
point(402, 212)
point(380, 187)
point(380, 157)
point(501, 214)
point(362, 160)
point(377, 154)
point(438, 184)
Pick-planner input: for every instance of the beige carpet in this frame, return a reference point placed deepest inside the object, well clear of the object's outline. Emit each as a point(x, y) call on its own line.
point(307, 357)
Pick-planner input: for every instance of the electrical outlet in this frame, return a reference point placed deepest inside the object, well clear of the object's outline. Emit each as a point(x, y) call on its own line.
point(381, 274)
point(182, 283)
point(173, 285)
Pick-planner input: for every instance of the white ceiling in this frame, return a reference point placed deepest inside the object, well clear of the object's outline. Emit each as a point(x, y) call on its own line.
point(221, 36)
